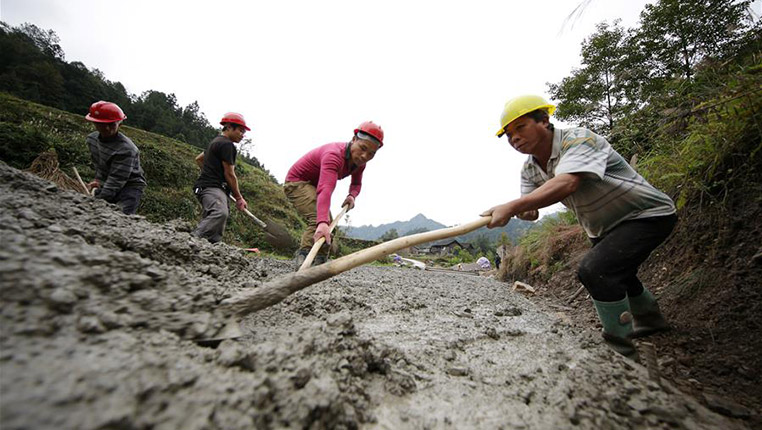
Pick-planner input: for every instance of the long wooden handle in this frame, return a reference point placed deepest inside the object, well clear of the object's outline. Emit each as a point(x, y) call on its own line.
point(278, 289)
point(81, 182)
point(316, 247)
point(256, 220)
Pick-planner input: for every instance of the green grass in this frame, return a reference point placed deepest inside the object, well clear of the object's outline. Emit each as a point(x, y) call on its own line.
point(27, 129)
point(711, 156)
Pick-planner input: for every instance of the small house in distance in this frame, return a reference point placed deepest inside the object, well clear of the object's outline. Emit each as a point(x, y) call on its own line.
point(448, 247)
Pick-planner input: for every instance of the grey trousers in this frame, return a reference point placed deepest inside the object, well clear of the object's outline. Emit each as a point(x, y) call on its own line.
point(214, 215)
point(129, 199)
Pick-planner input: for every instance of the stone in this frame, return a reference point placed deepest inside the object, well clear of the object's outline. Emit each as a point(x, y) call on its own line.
point(726, 407)
point(231, 353)
point(90, 324)
point(458, 371)
point(62, 299)
point(301, 377)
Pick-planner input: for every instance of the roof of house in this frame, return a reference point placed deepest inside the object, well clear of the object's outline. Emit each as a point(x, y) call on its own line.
point(446, 242)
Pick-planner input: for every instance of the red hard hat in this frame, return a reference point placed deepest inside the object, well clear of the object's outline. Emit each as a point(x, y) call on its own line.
point(234, 118)
point(105, 112)
point(368, 127)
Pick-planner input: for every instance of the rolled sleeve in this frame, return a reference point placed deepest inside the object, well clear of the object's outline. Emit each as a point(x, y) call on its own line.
point(583, 154)
point(527, 184)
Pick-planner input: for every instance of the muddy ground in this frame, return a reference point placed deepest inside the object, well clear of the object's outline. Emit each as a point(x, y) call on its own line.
point(99, 312)
point(707, 277)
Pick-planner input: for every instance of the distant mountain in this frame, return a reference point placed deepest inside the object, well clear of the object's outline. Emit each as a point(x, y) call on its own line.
point(419, 223)
point(514, 229)
point(416, 224)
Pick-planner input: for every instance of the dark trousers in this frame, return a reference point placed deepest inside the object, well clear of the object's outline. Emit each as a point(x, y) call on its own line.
point(610, 270)
point(129, 199)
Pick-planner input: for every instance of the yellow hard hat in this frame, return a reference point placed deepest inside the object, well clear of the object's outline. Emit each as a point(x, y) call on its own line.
point(522, 105)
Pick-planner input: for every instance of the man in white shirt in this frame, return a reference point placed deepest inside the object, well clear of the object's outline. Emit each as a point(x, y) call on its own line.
point(625, 217)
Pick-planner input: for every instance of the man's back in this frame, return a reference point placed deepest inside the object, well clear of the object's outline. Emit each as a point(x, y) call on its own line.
point(212, 172)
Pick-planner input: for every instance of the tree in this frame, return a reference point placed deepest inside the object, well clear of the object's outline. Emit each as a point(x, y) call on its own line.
point(504, 240)
point(464, 256)
point(389, 235)
point(482, 243)
point(678, 34)
point(45, 41)
point(32, 67)
point(594, 96)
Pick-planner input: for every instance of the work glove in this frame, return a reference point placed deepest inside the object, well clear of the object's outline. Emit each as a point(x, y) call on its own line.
point(323, 230)
point(94, 184)
point(240, 204)
point(350, 200)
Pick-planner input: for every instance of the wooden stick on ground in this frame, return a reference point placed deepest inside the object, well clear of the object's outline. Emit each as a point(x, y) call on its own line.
point(576, 294)
point(316, 247)
point(278, 289)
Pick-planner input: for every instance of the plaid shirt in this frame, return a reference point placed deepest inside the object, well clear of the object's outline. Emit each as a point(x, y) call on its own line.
point(117, 164)
point(610, 192)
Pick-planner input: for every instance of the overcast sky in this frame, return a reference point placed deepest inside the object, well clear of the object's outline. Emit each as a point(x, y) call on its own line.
point(434, 74)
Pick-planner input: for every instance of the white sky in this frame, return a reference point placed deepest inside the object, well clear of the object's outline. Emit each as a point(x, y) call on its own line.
point(434, 74)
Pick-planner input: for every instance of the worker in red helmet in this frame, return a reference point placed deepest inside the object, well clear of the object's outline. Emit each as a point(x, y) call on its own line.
point(311, 180)
point(119, 178)
point(218, 180)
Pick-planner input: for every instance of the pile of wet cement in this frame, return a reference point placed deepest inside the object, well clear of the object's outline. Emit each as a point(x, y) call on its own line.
point(97, 308)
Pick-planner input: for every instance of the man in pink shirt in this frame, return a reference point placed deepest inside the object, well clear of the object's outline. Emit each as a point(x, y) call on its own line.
point(311, 180)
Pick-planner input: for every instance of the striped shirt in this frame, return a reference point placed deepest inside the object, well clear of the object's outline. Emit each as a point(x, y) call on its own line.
point(610, 192)
point(117, 164)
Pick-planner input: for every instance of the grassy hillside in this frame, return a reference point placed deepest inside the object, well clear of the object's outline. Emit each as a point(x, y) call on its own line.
point(27, 129)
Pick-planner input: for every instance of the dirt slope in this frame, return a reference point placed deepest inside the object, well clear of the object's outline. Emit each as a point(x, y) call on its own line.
point(707, 277)
point(97, 308)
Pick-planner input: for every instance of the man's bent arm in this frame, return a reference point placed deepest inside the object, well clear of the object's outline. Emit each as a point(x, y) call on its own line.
point(231, 179)
point(200, 160)
point(553, 191)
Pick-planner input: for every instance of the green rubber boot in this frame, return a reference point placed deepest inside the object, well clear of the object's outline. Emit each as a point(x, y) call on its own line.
point(617, 326)
point(647, 319)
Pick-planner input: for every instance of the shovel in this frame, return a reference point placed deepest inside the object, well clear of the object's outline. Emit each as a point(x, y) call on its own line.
point(316, 247)
point(278, 289)
point(81, 182)
point(275, 234)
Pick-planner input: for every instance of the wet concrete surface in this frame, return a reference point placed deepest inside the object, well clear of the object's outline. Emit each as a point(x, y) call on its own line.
point(99, 311)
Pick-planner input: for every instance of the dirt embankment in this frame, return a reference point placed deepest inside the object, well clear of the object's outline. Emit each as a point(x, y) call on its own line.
point(707, 277)
point(98, 309)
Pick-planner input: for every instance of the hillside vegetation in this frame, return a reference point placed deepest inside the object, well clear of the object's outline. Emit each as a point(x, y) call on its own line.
point(33, 67)
point(28, 129)
point(420, 224)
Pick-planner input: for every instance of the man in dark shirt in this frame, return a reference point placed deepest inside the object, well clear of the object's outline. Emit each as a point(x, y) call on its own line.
point(118, 176)
point(218, 178)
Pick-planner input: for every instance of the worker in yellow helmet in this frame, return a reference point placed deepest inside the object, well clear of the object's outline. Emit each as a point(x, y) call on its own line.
point(624, 216)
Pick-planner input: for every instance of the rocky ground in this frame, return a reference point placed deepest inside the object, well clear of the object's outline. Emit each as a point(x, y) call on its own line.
point(707, 277)
point(99, 312)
